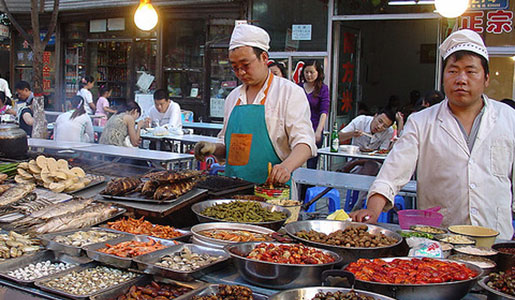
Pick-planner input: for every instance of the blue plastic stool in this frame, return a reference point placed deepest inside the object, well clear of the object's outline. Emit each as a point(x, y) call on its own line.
point(386, 217)
point(333, 195)
point(350, 200)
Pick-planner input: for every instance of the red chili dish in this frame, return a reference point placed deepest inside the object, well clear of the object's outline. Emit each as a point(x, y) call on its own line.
point(289, 254)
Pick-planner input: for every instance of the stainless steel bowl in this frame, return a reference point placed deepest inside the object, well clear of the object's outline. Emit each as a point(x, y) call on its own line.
point(310, 292)
point(197, 208)
point(275, 275)
point(505, 261)
point(200, 239)
point(431, 291)
point(348, 254)
point(492, 293)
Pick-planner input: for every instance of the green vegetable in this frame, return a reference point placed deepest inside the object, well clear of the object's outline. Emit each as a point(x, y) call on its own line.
point(407, 234)
point(9, 168)
point(243, 212)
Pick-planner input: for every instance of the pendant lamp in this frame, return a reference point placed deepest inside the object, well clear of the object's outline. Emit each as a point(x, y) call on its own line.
point(145, 16)
point(451, 8)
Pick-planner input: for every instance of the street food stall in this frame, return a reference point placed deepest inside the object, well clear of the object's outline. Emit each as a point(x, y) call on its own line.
point(78, 224)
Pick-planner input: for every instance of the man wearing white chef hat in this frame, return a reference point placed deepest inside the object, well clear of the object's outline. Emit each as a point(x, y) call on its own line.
point(267, 119)
point(462, 148)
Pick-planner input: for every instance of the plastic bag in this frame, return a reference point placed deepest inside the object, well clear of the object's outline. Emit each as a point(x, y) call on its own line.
point(422, 247)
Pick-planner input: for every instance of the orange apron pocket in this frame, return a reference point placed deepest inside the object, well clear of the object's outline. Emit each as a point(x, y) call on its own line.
point(239, 149)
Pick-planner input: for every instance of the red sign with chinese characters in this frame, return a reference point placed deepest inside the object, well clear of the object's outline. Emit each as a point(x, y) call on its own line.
point(347, 74)
point(497, 22)
point(47, 72)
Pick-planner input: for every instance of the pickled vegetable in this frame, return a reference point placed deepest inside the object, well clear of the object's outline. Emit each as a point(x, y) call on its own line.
point(243, 212)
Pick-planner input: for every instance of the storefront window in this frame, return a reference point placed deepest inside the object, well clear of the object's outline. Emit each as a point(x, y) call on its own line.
point(369, 7)
point(183, 59)
point(502, 78)
point(287, 31)
point(145, 53)
point(74, 57)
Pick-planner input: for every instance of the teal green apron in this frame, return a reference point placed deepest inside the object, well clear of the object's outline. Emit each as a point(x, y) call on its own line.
point(247, 143)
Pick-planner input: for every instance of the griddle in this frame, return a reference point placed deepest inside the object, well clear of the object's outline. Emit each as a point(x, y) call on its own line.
point(219, 186)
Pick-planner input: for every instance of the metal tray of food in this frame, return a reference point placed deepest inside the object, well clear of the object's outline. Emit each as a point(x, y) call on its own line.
point(95, 180)
point(309, 293)
point(492, 293)
point(215, 183)
point(48, 240)
point(217, 243)
point(147, 262)
point(186, 234)
point(24, 261)
point(138, 197)
point(41, 283)
point(118, 261)
point(122, 289)
point(212, 289)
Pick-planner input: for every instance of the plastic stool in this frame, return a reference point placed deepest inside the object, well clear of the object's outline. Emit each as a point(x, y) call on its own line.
point(333, 195)
point(350, 200)
point(387, 217)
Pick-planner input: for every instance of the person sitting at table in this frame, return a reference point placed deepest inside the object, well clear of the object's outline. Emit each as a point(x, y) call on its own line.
point(122, 129)
point(369, 134)
point(103, 105)
point(74, 125)
point(463, 148)
point(165, 112)
point(24, 107)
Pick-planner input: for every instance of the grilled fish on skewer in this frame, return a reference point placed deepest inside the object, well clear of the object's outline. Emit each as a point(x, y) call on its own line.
point(149, 188)
point(54, 210)
point(16, 193)
point(29, 207)
point(173, 190)
point(79, 219)
point(171, 176)
point(121, 186)
point(6, 209)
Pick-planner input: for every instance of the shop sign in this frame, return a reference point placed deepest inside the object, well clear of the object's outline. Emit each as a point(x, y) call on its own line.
point(4, 31)
point(301, 32)
point(47, 71)
point(98, 25)
point(489, 4)
point(42, 34)
point(216, 107)
point(497, 22)
point(347, 74)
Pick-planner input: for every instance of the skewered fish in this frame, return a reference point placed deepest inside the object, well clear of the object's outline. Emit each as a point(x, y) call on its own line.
point(173, 190)
point(80, 219)
point(9, 208)
point(16, 193)
point(27, 208)
point(54, 210)
point(149, 188)
point(171, 176)
point(122, 186)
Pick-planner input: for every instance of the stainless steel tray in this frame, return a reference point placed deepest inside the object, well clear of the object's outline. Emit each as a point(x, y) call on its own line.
point(186, 234)
point(144, 280)
point(216, 243)
point(147, 262)
point(310, 292)
point(138, 197)
point(213, 289)
point(7, 266)
point(117, 261)
point(95, 180)
point(40, 284)
point(48, 241)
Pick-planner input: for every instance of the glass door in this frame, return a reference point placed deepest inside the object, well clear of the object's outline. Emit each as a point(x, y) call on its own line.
point(221, 79)
point(502, 78)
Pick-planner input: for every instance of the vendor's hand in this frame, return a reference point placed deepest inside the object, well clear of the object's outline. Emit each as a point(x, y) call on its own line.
point(357, 133)
point(279, 174)
point(204, 149)
point(318, 137)
point(399, 117)
point(364, 215)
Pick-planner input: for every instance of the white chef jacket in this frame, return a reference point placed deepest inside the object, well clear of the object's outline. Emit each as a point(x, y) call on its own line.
point(172, 116)
point(471, 187)
point(287, 115)
point(379, 140)
point(80, 129)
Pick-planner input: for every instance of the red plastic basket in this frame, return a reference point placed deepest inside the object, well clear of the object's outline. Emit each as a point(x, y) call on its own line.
point(430, 217)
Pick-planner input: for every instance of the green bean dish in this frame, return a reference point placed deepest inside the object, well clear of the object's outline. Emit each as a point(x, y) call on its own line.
point(243, 212)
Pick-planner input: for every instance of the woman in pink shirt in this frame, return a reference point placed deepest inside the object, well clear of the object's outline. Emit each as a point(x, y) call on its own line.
point(103, 105)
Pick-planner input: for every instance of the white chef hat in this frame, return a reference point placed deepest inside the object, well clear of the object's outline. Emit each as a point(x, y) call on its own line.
point(463, 40)
point(249, 35)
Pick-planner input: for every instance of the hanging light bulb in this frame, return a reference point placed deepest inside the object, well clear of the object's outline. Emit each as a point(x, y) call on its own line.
point(451, 8)
point(145, 16)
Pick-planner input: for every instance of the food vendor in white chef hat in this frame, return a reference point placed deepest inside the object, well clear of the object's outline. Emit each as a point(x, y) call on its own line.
point(462, 148)
point(266, 119)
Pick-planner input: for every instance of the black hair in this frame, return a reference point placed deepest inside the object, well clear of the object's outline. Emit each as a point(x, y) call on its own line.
point(388, 112)
point(280, 66)
point(414, 96)
point(509, 102)
point(21, 85)
point(462, 53)
point(5, 100)
point(104, 89)
point(433, 97)
point(320, 78)
point(161, 94)
point(85, 80)
point(78, 104)
point(258, 52)
point(130, 106)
